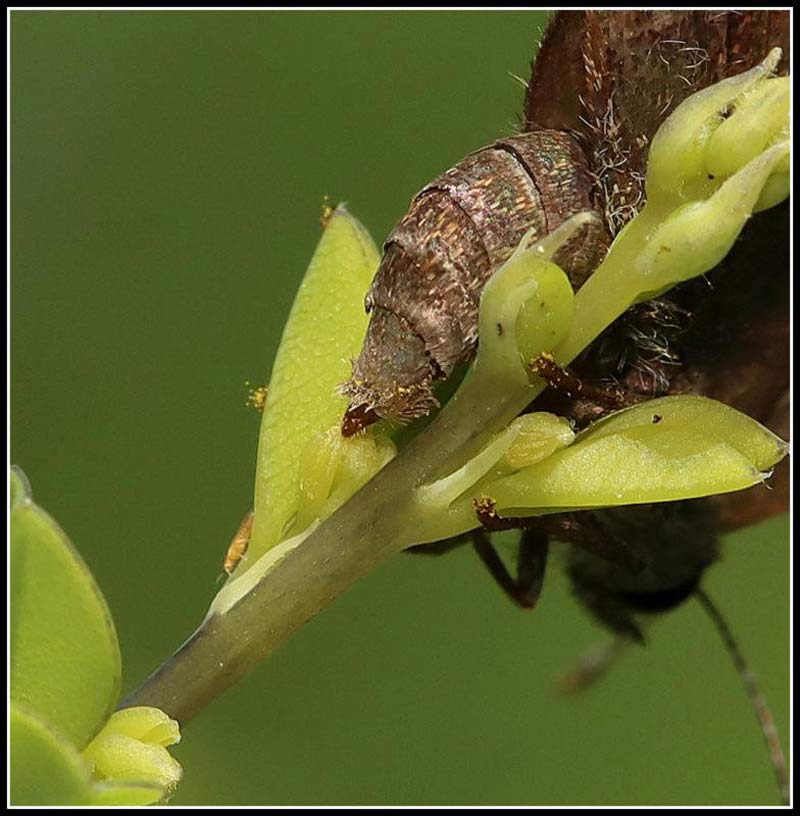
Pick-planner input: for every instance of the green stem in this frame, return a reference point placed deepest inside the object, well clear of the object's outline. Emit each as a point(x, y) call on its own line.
point(370, 527)
point(611, 289)
point(383, 518)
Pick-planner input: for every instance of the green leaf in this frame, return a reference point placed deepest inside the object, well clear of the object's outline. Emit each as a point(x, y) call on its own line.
point(663, 450)
point(324, 332)
point(65, 660)
point(46, 768)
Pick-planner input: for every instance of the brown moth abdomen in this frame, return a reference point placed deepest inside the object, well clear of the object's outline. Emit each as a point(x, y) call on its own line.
point(457, 232)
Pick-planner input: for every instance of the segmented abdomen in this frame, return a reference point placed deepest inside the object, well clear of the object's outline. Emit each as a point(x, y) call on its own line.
point(457, 231)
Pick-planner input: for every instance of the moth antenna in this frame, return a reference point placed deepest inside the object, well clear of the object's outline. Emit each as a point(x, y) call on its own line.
point(763, 714)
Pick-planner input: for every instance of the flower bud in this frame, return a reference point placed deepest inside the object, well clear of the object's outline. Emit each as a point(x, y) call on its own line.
point(132, 747)
point(677, 164)
point(697, 236)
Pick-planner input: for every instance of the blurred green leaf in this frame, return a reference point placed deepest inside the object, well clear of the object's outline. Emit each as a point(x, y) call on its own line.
point(20, 489)
point(65, 660)
point(46, 769)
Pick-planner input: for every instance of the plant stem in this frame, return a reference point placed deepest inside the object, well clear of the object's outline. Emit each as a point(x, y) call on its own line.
point(383, 518)
point(373, 525)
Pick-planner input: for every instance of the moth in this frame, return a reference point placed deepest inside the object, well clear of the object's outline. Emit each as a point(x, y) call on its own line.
point(601, 85)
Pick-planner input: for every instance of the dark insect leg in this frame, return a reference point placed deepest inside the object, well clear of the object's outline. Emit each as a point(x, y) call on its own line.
point(531, 566)
point(591, 666)
point(534, 548)
point(357, 418)
point(583, 530)
point(590, 401)
point(493, 522)
point(531, 562)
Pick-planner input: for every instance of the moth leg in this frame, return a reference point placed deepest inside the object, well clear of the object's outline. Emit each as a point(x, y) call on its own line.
point(531, 562)
point(531, 566)
point(591, 401)
point(584, 531)
point(492, 521)
point(591, 666)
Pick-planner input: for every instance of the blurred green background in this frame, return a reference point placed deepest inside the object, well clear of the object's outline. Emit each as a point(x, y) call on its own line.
point(168, 172)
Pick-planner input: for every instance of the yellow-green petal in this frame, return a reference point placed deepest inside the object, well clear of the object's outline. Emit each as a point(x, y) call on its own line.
point(528, 439)
point(676, 167)
point(324, 332)
point(712, 419)
point(117, 757)
point(144, 723)
point(530, 295)
point(539, 435)
point(664, 450)
point(750, 129)
point(697, 236)
point(546, 316)
point(621, 470)
point(360, 458)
